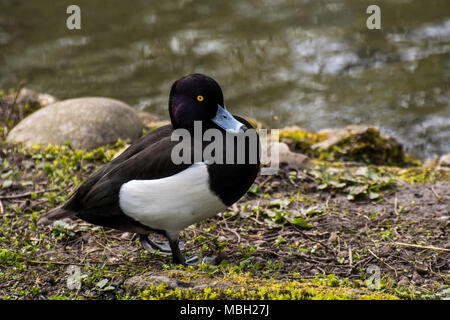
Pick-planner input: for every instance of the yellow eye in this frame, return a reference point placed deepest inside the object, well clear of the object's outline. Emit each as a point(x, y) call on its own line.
point(200, 98)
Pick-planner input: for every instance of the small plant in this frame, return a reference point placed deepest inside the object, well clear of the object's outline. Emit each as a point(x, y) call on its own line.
point(62, 230)
point(364, 183)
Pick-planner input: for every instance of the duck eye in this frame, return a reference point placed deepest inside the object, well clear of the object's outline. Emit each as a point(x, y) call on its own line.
point(200, 98)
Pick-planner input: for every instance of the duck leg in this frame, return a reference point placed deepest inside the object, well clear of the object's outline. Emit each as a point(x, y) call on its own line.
point(175, 249)
point(151, 245)
point(179, 258)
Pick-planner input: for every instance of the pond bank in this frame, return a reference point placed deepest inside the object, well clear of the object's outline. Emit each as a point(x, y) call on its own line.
point(299, 234)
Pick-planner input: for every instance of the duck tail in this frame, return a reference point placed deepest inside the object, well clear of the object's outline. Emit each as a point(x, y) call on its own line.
point(55, 214)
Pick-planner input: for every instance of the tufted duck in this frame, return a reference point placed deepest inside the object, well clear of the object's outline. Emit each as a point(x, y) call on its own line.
point(144, 191)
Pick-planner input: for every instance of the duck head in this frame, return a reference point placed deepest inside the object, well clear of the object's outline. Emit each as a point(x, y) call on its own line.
point(197, 97)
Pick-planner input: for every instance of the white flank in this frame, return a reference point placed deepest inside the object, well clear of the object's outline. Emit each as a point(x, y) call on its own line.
point(171, 203)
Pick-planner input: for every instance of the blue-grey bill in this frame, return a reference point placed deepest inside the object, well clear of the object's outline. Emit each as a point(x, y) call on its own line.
point(226, 121)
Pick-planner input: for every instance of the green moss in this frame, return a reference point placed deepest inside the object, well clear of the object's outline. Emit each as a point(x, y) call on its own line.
point(63, 168)
point(365, 145)
point(302, 140)
point(415, 175)
point(247, 288)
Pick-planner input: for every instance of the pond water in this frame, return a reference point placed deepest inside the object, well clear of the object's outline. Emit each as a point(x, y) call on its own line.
point(309, 63)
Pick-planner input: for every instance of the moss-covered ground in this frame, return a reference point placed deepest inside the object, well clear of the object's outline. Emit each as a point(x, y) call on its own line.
point(336, 231)
point(295, 235)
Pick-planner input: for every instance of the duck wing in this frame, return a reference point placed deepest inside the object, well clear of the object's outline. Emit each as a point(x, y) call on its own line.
point(97, 199)
point(154, 162)
point(139, 145)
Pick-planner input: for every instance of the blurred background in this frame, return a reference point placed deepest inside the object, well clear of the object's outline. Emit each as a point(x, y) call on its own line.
point(309, 63)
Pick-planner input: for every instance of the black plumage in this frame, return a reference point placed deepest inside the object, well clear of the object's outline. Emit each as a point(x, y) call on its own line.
point(97, 199)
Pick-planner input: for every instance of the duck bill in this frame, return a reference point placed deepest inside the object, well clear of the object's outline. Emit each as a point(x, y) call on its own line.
point(226, 121)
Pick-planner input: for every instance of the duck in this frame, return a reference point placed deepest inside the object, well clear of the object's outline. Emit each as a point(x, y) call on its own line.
point(144, 191)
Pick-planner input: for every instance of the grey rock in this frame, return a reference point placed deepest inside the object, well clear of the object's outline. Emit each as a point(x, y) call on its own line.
point(444, 162)
point(147, 280)
point(293, 159)
point(31, 97)
point(86, 123)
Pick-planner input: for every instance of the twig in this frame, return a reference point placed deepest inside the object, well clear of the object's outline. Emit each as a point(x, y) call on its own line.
point(257, 221)
point(328, 200)
point(361, 262)
point(438, 197)
point(72, 263)
point(382, 261)
point(292, 182)
point(265, 181)
point(26, 194)
point(420, 247)
point(2, 210)
point(307, 176)
point(311, 239)
point(19, 88)
point(233, 231)
point(395, 206)
point(350, 256)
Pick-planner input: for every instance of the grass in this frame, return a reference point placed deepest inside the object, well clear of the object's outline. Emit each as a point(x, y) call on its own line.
point(279, 238)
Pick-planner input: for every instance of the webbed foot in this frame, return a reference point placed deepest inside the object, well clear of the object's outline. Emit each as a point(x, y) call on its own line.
point(194, 261)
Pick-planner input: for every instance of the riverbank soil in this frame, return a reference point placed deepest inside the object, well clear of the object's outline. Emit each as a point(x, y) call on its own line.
point(291, 236)
point(339, 230)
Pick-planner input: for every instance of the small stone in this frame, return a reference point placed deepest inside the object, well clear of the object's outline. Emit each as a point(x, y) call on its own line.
point(126, 235)
point(333, 237)
point(293, 159)
point(421, 268)
point(416, 278)
point(404, 281)
point(444, 162)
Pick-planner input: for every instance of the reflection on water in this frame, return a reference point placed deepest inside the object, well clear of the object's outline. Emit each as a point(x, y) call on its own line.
point(309, 63)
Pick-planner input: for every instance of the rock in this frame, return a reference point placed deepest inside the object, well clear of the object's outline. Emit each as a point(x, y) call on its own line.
point(444, 162)
point(85, 123)
point(362, 143)
point(255, 123)
point(30, 97)
point(151, 121)
point(176, 279)
point(293, 159)
point(421, 269)
point(14, 107)
point(147, 117)
point(333, 237)
point(337, 135)
point(299, 138)
point(146, 281)
point(353, 143)
point(404, 282)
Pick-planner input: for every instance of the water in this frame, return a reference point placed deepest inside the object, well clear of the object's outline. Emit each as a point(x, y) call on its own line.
point(309, 63)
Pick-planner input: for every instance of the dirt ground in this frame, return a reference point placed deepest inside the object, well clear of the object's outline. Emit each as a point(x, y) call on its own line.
point(284, 229)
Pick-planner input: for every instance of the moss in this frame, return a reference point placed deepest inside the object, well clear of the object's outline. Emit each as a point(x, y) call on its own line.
point(369, 147)
point(359, 144)
point(416, 175)
point(302, 140)
point(247, 288)
point(23, 245)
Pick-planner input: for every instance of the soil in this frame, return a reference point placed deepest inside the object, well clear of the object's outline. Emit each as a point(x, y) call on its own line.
point(286, 229)
point(403, 236)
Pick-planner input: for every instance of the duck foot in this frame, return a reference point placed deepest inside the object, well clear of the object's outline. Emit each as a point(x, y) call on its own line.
point(177, 257)
point(195, 261)
point(214, 261)
point(161, 246)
